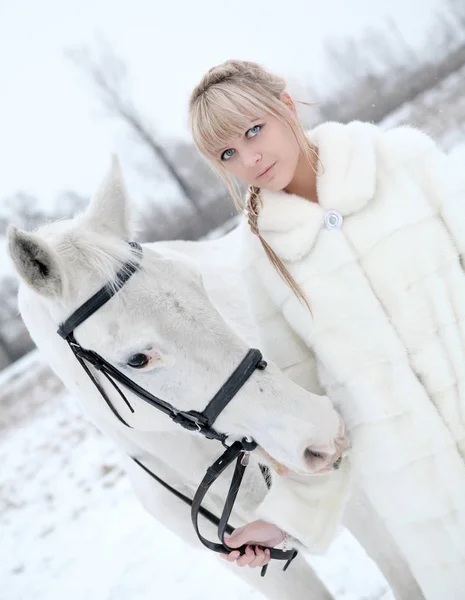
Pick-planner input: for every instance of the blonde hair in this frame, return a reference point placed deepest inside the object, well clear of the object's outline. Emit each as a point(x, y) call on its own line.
point(221, 107)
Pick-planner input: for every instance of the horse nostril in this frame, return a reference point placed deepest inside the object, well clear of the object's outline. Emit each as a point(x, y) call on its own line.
point(315, 460)
point(311, 455)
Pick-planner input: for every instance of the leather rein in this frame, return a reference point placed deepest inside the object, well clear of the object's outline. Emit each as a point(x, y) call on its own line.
point(191, 420)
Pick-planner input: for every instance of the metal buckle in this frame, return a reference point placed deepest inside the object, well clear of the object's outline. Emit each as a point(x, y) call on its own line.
point(186, 420)
point(248, 443)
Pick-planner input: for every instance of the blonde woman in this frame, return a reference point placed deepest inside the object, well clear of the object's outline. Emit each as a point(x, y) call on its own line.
point(354, 241)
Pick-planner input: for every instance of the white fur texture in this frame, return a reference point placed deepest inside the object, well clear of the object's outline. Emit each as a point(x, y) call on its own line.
point(386, 337)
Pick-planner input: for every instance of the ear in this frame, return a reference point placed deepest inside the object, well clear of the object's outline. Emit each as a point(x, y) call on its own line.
point(289, 102)
point(36, 263)
point(109, 210)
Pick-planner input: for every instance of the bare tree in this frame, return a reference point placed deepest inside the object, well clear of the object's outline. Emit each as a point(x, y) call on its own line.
point(374, 75)
point(24, 210)
point(69, 203)
point(14, 337)
point(108, 74)
point(457, 8)
point(204, 184)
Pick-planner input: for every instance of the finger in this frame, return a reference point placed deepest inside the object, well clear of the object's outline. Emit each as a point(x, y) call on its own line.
point(231, 557)
point(267, 556)
point(246, 558)
point(237, 539)
point(259, 558)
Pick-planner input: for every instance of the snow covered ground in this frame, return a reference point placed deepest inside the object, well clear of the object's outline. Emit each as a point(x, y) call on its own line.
point(72, 529)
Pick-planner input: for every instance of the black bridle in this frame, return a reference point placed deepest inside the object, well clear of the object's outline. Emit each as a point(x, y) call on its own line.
point(191, 420)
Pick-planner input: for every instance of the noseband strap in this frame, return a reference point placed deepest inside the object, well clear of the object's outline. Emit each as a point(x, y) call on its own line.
point(191, 420)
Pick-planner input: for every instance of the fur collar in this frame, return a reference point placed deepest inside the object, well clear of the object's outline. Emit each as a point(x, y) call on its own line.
point(346, 182)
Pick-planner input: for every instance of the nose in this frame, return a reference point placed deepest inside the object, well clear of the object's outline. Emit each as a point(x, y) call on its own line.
point(252, 159)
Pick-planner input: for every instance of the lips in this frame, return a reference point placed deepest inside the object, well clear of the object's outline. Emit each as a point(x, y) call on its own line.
point(267, 170)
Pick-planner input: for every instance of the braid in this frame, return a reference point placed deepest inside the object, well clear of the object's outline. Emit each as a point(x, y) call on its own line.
point(252, 212)
point(252, 201)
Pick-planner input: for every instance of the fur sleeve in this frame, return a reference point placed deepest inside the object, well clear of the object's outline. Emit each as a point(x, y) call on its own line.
point(309, 508)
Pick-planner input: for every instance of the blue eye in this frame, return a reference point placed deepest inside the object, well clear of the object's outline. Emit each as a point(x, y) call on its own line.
point(253, 131)
point(227, 154)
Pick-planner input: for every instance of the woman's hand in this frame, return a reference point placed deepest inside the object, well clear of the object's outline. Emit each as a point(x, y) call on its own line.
point(257, 533)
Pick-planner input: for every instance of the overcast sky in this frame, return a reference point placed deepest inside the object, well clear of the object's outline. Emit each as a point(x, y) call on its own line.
point(54, 135)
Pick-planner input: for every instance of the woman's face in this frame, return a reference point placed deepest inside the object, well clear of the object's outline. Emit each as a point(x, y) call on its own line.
point(265, 155)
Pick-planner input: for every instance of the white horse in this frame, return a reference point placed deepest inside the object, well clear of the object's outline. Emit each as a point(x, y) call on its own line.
point(188, 318)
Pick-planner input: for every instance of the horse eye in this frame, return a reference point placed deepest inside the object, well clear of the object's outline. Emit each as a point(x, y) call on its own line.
point(138, 361)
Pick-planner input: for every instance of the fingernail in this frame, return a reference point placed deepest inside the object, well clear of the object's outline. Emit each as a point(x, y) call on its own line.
point(259, 548)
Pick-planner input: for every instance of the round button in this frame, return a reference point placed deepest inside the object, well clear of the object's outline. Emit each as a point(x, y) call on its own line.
point(333, 219)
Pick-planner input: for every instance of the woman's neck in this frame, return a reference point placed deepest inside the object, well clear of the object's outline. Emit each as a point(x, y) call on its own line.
point(304, 182)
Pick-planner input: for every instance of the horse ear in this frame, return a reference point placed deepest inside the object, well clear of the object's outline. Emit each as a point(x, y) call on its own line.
point(35, 262)
point(109, 209)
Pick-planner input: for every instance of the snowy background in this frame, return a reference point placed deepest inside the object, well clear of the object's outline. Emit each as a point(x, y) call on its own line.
point(70, 526)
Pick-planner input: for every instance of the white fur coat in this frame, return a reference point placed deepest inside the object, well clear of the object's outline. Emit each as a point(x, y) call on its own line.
point(386, 336)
